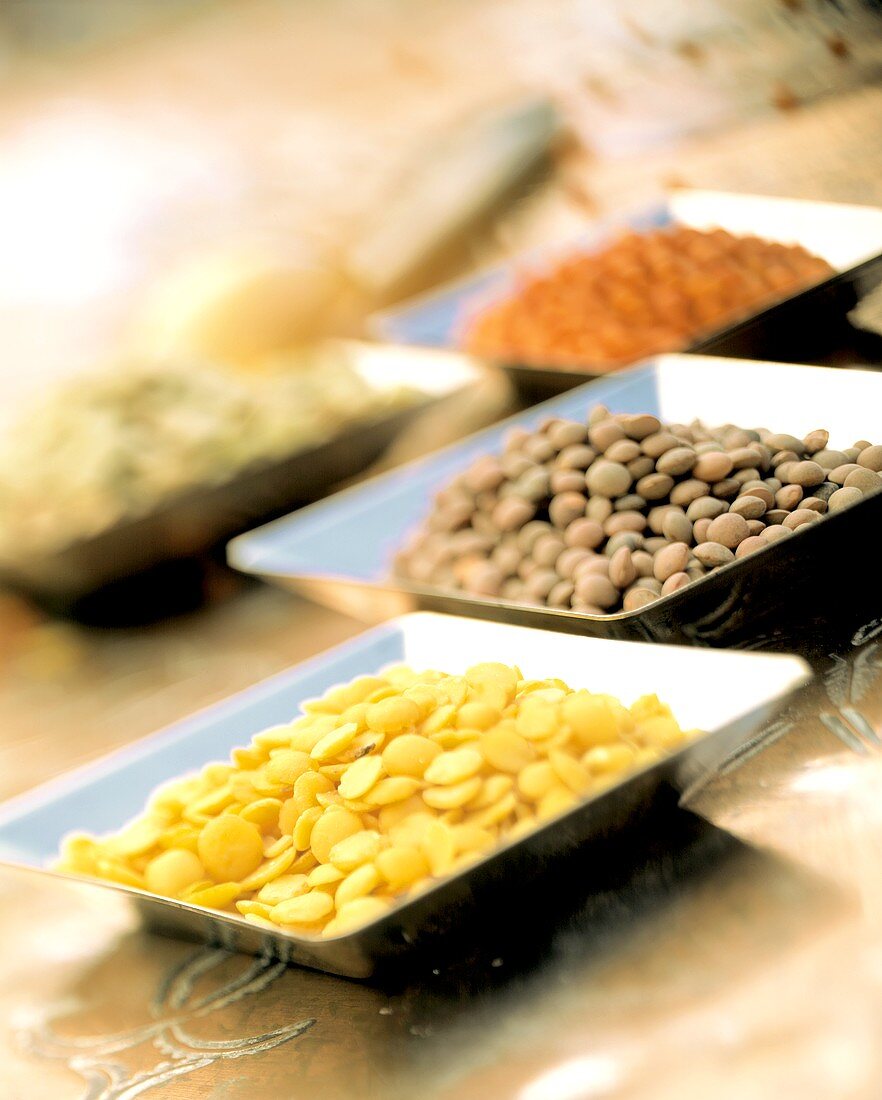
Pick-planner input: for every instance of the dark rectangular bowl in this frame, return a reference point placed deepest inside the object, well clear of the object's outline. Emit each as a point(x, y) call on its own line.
point(138, 558)
point(846, 236)
point(340, 551)
point(730, 696)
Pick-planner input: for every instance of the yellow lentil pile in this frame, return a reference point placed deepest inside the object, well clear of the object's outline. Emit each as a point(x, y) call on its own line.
point(380, 788)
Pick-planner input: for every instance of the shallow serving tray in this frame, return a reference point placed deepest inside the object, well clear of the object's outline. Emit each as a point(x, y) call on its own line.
point(340, 551)
point(844, 235)
point(191, 523)
point(729, 695)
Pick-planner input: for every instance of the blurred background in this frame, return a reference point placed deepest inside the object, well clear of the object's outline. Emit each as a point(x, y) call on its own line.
point(201, 204)
point(193, 193)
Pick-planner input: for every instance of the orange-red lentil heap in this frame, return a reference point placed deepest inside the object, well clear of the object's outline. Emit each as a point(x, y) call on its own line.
point(381, 788)
point(644, 294)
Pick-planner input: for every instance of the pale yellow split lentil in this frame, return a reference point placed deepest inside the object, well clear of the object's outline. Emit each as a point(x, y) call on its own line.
point(377, 790)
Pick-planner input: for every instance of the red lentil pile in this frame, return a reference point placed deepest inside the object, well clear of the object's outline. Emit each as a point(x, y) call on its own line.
point(644, 294)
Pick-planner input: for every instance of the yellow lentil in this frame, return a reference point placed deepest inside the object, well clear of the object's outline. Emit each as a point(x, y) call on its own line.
point(273, 848)
point(356, 714)
point(401, 866)
point(536, 779)
point(261, 922)
point(333, 826)
point(211, 803)
point(536, 718)
point(135, 840)
point(412, 828)
point(478, 715)
point(219, 896)
point(276, 737)
point(303, 827)
point(392, 714)
point(497, 675)
point(439, 719)
point(557, 800)
point(253, 908)
point(286, 766)
point(438, 847)
point(307, 787)
point(288, 815)
point(609, 758)
point(662, 731)
point(494, 814)
point(303, 909)
point(410, 754)
point(505, 749)
point(324, 875)
point(368, 741)
point(360, 776)
point(569, 771)
point(355, 913)
point(394, 789)
point(264, 813)
point(454, 739)
point(283, 888)
point(492, 790)
point(274, 867)
point(173, 871)
point(230, 848)
point(357, 884)
point(334, 772)
point(357, 849)
point(394, 812)
point(454, 766)
point(457, 794)
point(426, 697)
point(333, 743)
point(360, 689)
point(455, 689)
point(472, 837)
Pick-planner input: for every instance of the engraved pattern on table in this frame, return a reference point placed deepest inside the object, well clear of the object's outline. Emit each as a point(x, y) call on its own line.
point(175, 1006)
point(848, 682)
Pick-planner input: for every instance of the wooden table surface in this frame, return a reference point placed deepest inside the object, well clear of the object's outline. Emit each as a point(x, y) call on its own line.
point(741, 957)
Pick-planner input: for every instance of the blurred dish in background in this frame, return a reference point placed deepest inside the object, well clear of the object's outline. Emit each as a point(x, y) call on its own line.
point(129, 467)
point(641, 295)
point(617, 304)
point(113, 445)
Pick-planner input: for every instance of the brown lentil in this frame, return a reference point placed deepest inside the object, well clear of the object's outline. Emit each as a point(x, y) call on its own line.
point(842, 498)
point(749, 506)
point(871, 458)
point(671, 560)
point(868, 481)
point(800, 517)
point(675, 582)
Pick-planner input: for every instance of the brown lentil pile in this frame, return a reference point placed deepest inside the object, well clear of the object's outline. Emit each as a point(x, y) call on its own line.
point(382, 787)
point(646, 293)
point(612, 514)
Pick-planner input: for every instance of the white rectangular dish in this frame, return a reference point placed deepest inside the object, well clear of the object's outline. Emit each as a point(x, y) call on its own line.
point(730, 695)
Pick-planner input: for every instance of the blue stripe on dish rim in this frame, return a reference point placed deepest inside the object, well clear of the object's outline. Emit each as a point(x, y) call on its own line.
point(434, 319)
